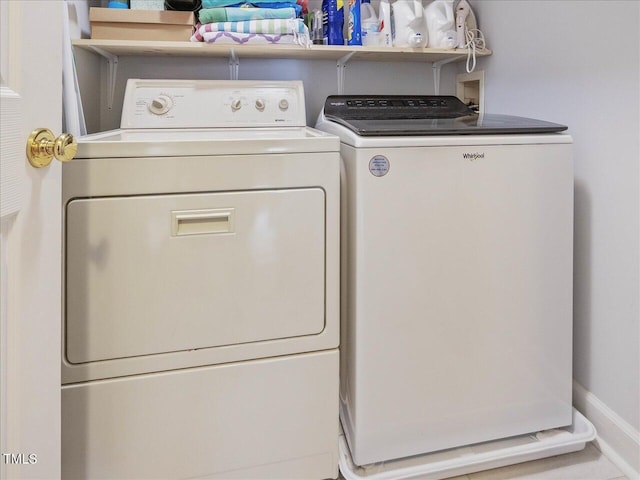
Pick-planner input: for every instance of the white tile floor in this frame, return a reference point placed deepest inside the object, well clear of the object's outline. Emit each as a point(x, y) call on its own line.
point(587, 464)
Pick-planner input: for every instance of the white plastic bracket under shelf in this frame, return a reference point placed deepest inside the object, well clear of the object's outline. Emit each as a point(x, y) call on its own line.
point(437, 66)
point(342, 71)
point(112, 62)
point(234, 65)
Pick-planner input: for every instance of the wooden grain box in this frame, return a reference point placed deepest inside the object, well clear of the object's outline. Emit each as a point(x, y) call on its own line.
point(121, 24)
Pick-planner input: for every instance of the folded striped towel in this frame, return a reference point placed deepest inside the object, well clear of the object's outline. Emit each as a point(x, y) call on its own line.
point(292, 26)
point(237, 14)
point(272, 26)
point(231, 38)
point(230, 3)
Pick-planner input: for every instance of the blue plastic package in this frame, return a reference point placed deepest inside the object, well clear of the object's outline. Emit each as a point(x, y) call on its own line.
point(332, 22)
point(118, 4)
point(354, 27)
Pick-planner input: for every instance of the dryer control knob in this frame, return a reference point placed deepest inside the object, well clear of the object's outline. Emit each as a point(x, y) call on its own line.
point(260, 105)
point(283, 104)
point(160, 105)
point(236, 105)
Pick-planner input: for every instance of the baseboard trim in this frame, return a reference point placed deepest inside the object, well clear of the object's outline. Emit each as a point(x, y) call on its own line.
point(616, 439)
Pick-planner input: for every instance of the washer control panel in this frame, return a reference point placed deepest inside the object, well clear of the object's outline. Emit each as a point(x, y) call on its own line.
point(212, 104)
point(384, 107)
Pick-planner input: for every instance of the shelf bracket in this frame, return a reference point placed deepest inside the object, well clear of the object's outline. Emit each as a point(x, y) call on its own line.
point(234, 65)
point(436, 73)
point(342, 67)
point(112, 62)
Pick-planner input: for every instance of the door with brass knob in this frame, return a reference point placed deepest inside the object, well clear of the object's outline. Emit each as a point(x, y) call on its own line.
point(42, 146)
point(31, 241)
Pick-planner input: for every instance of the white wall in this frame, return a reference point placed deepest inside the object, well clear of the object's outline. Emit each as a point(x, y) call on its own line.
point(577, 63)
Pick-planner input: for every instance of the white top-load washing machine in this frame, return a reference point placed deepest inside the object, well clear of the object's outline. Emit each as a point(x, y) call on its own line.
point(201, 283)
point(457, 274)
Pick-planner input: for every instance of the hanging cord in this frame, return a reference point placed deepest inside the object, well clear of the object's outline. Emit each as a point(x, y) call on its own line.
point(475, 43)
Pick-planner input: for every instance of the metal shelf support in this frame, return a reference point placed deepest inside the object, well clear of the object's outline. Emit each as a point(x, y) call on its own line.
point(234, 65)
point(112, 62)
point(436, 66)
point(342, 71)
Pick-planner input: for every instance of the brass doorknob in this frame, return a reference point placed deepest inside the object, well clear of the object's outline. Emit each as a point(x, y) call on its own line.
point(42, 146)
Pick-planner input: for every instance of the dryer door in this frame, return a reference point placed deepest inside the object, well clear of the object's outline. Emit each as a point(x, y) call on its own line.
point(155, 274)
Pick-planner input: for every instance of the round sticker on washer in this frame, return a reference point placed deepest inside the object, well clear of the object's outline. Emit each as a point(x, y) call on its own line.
point(379, 165)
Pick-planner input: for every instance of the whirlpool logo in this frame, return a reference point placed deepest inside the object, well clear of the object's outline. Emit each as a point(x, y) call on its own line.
point(473, 156)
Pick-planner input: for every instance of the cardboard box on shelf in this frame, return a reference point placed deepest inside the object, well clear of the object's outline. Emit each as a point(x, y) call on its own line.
point(121, 24)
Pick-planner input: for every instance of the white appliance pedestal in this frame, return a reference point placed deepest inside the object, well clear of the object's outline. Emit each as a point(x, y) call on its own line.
point(474, 458)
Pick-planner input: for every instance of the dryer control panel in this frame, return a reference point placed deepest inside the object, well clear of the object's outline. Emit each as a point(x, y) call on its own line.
point(212, 104)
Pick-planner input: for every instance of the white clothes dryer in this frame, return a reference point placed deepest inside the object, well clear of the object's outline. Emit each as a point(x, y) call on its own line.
point(201, 282)
point(457, 274)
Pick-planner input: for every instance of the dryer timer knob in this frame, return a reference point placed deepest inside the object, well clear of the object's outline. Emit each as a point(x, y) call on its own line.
point(160, 105)
point(283, 104)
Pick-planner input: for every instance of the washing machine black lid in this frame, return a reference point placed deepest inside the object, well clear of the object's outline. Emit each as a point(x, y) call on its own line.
point(400, 115)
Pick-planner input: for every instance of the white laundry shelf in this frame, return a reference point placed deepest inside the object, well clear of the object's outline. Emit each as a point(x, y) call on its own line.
point(314, 52)
point(473, 458)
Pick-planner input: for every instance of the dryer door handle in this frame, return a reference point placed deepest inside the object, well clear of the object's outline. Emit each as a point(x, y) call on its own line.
point(202, 222)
